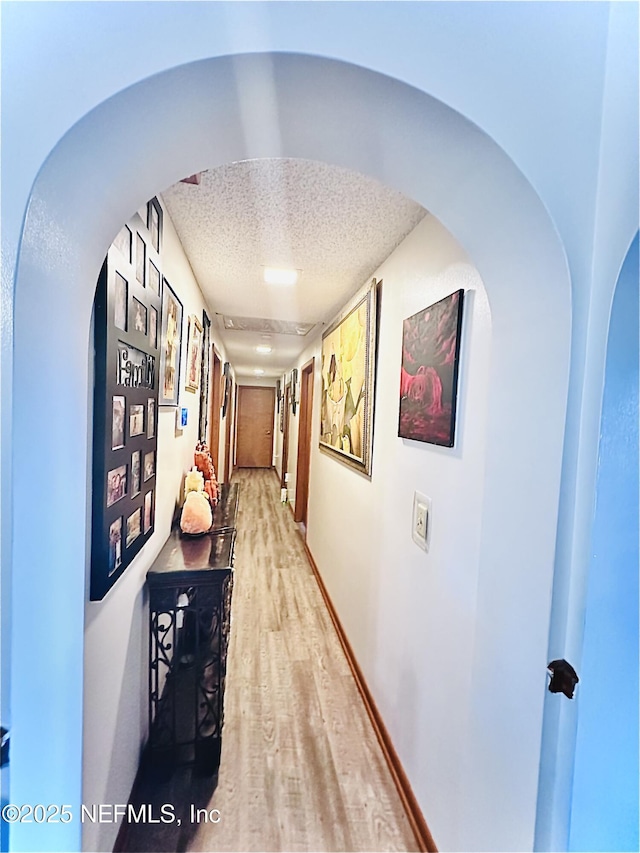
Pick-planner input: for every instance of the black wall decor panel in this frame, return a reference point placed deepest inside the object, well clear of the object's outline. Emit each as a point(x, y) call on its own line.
point(125, 416)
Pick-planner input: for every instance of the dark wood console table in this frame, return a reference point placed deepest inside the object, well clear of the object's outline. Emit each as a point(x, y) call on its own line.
point(190, 586)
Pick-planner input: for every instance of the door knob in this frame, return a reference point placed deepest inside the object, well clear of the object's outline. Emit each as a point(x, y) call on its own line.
point(267, 432)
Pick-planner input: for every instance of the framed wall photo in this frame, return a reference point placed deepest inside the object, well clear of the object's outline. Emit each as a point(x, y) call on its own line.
point(141, 260)
point(225, 390)
point(170, 347)
point(429, 372)
point(125, 403)
point(194, 353)
point(154, 222)
point(348, 377)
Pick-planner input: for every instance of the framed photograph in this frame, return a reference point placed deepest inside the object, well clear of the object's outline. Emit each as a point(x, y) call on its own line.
point(136, 420)
point(124, 243)
point(115, 545)
point(116, 484)
point(151, 417)
point(149, 465)
point(194, 353)
point(134, 526)
point(120, 302)
point(294, 386)
point(154, 222)
point(170, 347)
point(429, 372)
point(148, 511)
point(135, 473)
point(348, 377)
point(153, 327)
point(154, 278)
point(205, 371)
point(139, 316)
point(117, 422)
point(141, 260)
point(225, 390)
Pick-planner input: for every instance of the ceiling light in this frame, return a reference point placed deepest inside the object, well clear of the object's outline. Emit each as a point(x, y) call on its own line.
point(259, 371)
point(263, 348)
point(279, 276)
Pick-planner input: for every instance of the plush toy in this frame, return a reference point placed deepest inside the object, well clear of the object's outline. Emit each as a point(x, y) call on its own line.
point(196, 514)
point(204, 464)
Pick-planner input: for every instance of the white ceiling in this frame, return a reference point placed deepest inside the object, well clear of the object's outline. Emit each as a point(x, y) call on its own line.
point(333, 225)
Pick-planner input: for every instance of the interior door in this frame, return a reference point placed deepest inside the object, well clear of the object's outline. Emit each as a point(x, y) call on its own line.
point(304, 442)
point(255, 427)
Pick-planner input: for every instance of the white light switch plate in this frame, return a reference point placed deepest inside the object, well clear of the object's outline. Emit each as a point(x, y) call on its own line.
point(421, 520)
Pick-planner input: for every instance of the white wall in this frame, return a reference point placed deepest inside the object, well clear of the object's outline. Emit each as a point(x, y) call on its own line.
point(115, 720)
point(410, 616)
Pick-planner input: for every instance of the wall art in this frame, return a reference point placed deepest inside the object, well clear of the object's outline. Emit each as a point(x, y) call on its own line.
point(194, 353)
point(429, 372)
point(204, 377)
point(171, 345)
point(124, 406)
point(348, 377)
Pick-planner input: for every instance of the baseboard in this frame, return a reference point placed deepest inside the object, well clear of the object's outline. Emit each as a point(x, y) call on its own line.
point(418, 824)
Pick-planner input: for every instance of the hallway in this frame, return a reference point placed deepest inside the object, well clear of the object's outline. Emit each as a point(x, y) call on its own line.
point(301, 767)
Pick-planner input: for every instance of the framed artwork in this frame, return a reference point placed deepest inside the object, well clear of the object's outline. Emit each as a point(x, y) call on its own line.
point(154, 278)
point(136, 420)
point(278, 394)
point(154, 222)
point(116, 484)
point(151, 417)
point(117, 423)
point(429, 372)
point(125, 399)
point(194, 353)
point(294, 385)
point(135, 473)
point(134, 526)
point(148, 511)
point(120, 302)
point(115, 545)
point(204, 377)
point(170, 347)
point(153, 327)
point(139, 316)
point(149, 465)
point(124, 244)
point(225, 379)
point(141, 260)
point(348, 377)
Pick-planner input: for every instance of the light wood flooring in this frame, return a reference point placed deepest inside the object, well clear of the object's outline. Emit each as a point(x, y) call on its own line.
point(301, 767)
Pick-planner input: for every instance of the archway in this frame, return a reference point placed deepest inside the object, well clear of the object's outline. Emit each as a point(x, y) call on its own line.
point(197, 116)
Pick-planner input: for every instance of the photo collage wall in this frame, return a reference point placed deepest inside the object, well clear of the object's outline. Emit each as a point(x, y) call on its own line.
point(128, 345)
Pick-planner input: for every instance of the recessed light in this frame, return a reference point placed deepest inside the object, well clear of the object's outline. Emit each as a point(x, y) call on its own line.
point(259, 372)
point(273, 275)
point(264, 349)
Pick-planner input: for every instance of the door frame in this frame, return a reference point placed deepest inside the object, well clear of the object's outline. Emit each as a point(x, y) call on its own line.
point(272, 390)
point(216, 404)
point(286, 402)
point(231, 411)
point(304, 442)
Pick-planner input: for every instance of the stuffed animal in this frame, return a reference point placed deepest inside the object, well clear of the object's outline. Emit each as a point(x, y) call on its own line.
point(204, 463)
point(196, 514)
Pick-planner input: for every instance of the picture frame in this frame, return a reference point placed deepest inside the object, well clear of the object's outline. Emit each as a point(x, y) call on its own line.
point(294, 386)
point(429, 372)
point(194, 354)
point(149, 465)
point(125, 389)
point(203, 418)
point(170, 347)
point(141, 260)
point(348, 362)
point(154, 222)
point(226, 387)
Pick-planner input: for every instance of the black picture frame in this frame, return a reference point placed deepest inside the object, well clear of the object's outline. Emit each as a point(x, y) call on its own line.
point(205, 378)
point(294, 388)
point(226, 387)
point(126, 370)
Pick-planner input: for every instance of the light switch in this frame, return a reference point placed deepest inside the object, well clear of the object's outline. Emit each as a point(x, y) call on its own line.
point(421, 526)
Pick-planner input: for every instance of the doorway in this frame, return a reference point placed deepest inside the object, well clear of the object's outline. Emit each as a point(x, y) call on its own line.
point(255, 427)
point(304, 443)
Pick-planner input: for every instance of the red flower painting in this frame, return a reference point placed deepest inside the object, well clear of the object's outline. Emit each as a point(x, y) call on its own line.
point(429, 372)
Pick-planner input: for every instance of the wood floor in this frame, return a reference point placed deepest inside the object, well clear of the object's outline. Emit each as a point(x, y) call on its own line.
point(301, 768)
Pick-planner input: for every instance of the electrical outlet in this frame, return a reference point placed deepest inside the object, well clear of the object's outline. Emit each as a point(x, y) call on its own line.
point(421, 527)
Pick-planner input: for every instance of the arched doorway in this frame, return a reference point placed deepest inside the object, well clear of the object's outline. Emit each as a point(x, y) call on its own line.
point(102, 170)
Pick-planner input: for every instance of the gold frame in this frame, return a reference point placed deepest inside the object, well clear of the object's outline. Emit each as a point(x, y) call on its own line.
point(350, 440)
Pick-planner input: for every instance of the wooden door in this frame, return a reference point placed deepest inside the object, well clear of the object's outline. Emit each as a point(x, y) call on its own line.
point(216, 402)
point(286, 402)
point(255, 427)
point(304, 442)
point(228, 465)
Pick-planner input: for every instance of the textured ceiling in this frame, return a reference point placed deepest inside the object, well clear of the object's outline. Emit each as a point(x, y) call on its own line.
point(333, 225)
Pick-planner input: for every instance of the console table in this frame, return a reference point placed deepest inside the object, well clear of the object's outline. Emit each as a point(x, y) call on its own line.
point(190, 586)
